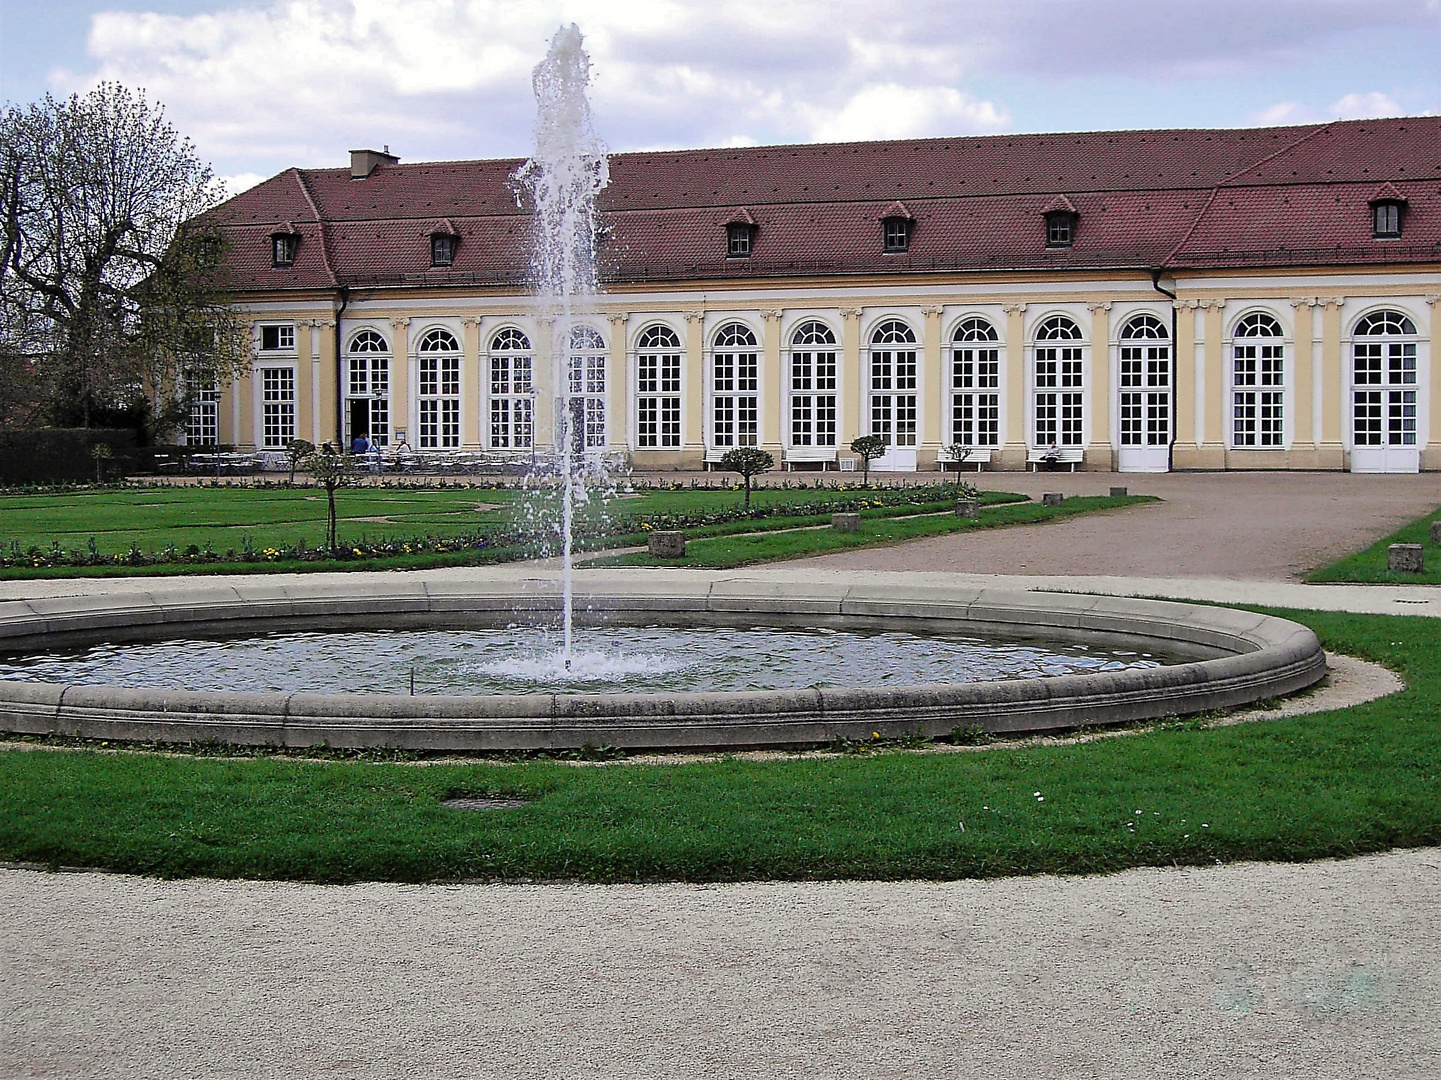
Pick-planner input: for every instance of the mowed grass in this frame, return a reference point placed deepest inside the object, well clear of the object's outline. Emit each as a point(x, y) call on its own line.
point(229, 518)
point(226, 517)
point(1335, 784)
point(724, 552)
point(1371, 565)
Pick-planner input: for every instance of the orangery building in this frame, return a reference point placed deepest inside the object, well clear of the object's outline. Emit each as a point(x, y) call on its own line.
point(1134, 300)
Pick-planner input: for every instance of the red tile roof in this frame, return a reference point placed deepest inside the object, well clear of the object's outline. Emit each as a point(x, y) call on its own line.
point(1252, 197)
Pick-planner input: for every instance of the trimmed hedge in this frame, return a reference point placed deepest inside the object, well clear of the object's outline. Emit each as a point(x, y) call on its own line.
point(54, 455)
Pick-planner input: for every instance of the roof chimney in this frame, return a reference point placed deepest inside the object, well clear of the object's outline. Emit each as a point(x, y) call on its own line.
point(363, 162)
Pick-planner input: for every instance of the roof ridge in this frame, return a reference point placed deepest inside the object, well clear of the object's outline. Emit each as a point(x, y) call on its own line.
point(1191, 229)
point(1315, 130)
point(324, 228)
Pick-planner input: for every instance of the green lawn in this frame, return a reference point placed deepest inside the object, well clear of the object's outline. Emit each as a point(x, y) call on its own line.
point(1369, 566)
point(169, 530)
point(724, 552)
point(1336, 784)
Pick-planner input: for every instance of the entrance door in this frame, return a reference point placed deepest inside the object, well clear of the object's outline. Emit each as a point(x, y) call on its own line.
point(1145, 406)
point(359, 421)
point(1384, 428)
point(1384, 395)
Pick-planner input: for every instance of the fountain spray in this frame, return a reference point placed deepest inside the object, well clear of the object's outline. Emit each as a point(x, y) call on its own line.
point(563, 178)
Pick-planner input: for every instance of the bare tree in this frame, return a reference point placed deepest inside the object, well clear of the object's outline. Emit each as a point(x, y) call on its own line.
point(749, 462)
point(331, 470)
point(868, 448)
point(111, 285)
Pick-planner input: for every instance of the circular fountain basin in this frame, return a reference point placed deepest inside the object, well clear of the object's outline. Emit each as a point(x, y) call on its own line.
point(1220, 658)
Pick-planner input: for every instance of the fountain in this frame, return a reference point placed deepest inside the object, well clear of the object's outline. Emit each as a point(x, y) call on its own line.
point(562, 180)
point(1220, 658)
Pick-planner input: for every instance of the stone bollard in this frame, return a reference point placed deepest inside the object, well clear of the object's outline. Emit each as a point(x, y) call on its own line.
point(968, 508)
point(1406, 558)
point(846, 522)
point(667, 544)
point(1118, 493)
point(1436, 532)
point(1052, 498)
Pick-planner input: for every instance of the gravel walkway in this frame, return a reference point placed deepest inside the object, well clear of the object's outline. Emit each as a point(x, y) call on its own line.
point(1317, 971)
point(1237, 526)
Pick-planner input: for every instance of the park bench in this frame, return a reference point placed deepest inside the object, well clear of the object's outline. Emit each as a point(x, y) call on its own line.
point(1069, 456)
point(979, 456)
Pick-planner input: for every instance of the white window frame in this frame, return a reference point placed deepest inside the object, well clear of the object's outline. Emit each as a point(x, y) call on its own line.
point(202, 423)
point(659, 368)
point(277, 388)
point(813, 363)
point(1063, 391)
point(893, 383)
point(734, 368)
point(1391, 386)
point(1145, 398)
point(588, 382)
point(510, 402)
point(976, 377)
point(1259, 376)
point(438, 390)
point(367, 376)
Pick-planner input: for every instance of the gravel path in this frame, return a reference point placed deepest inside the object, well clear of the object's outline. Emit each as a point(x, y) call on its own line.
point(1238, 526)
point(1324, 970)
point(1321, 970)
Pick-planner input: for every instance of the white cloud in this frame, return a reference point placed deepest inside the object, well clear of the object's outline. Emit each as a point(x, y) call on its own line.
point(1364, 105)
point(268, 83)
point(235, 183)
point(888, 111)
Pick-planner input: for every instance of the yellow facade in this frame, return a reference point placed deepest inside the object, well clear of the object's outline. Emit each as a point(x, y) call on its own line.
point(1307, 419)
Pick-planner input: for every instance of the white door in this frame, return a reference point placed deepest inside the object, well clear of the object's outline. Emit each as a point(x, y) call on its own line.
point(1384, 430)
point(1384, 396)
point(1145, 409)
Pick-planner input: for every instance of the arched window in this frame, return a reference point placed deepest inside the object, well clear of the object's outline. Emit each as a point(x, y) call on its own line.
point(1058, 328)
point(813, 385)
point(1258, 383)
point(512, 397)
point(658, 366)
point(1383, 377)
point(1145, 382)
point(975, 385)
point(735, 377)
point(367, 389)
point(586, 373)
point(438, 341)
point(438, 391)
point(368, 341)
point(893, 383)
point(1060, 384)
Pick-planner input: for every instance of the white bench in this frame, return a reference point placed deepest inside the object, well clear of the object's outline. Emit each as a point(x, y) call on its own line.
point(809, 455)
point(1062, 455)
point(977, 456)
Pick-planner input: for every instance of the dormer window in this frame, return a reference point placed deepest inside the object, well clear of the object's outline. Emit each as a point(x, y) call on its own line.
point(738, 240)
point(740, 234)
point(1060, 216)
point(1387, 209)
point(1386, 219)
point(442, 249)
point(897, 235)
point(282, 249)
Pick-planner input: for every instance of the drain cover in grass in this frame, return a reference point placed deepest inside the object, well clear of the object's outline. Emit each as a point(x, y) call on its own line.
point(484, 803)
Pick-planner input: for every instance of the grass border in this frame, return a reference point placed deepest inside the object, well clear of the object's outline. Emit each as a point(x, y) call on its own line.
point(1332, 784)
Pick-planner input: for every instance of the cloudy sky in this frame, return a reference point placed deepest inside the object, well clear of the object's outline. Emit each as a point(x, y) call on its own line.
point(263, 84)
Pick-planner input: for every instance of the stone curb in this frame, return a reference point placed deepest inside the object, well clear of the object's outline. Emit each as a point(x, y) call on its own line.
point(1239, 657)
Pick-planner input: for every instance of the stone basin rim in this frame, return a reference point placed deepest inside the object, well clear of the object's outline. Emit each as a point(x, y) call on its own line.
point(1255, 657)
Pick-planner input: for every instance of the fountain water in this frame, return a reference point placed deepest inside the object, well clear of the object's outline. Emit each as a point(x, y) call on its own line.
point(562, 179)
